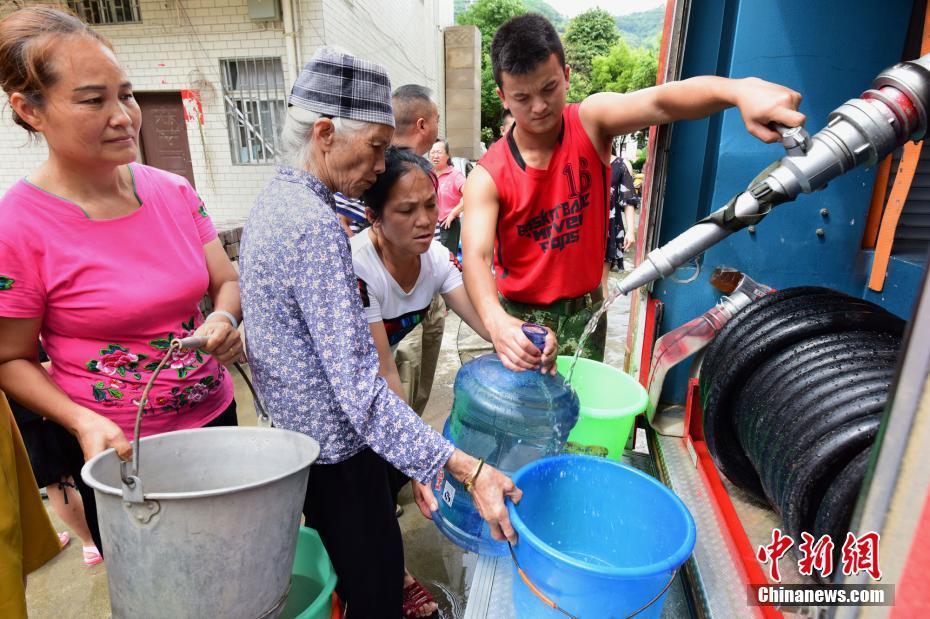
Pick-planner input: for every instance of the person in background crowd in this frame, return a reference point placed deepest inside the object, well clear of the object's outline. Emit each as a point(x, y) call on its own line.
point(311, 350)
point(537, 202)
point(506, 121)
point(450, 196)
point(400, 267)
point(27, 539)
point(416, 115)
point(623, 205)
point(105, 259)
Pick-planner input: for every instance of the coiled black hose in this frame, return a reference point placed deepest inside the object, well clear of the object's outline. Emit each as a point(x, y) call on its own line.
point(793, 388)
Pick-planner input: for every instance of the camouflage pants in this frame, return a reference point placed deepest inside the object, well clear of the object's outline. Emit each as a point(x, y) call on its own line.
point(567, 319)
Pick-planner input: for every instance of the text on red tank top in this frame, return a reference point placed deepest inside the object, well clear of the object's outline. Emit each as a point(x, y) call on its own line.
point(552, 224)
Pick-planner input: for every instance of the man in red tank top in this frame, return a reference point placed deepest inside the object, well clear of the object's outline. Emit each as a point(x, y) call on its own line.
point(536, 203)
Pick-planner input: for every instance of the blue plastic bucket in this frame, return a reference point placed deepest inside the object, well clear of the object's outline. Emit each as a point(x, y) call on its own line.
point(598, 538)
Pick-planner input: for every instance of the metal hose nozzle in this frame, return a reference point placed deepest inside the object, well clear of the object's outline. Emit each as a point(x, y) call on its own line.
point(859, 132)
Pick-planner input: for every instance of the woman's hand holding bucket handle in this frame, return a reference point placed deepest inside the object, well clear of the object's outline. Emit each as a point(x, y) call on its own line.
point(489, 489)
point(223, 340)
point(96, 433)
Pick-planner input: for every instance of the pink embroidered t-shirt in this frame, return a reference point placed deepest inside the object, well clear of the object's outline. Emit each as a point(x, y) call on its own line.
point(449, 192)
point(111, 294)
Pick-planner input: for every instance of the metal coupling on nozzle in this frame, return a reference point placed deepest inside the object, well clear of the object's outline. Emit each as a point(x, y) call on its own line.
point(859, 132)
point(905, 90)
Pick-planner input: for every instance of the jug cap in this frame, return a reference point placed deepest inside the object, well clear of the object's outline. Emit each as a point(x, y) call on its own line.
point(536, 334)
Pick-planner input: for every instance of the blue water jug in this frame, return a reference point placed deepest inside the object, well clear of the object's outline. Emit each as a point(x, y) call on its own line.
point(507, 418)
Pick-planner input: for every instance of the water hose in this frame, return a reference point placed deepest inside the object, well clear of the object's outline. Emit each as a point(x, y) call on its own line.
point(793, 389)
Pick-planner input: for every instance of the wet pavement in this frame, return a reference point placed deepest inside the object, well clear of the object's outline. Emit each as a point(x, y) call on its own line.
point(65, 589)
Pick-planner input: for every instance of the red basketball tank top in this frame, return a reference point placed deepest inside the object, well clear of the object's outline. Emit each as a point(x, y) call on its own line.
point(552, 224)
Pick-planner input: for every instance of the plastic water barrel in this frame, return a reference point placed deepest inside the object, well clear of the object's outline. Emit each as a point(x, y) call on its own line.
point(507, 418)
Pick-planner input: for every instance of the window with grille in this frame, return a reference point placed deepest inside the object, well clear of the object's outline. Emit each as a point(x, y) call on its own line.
point(107, 11)
point(253, 91)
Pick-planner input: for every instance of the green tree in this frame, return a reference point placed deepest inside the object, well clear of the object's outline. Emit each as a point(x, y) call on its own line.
point(624, 69)
point(546, 10)
point(488, 15)
point(588, 35)
point(639, 29)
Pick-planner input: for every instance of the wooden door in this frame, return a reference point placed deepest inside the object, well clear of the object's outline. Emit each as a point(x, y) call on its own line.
point(163, 139)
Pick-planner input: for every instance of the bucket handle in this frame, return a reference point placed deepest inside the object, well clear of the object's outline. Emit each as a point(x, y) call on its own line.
point(551, 604)
point(264, 420)
point(129, 471)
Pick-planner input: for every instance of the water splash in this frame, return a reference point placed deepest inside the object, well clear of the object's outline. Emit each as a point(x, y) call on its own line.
point(615, 293)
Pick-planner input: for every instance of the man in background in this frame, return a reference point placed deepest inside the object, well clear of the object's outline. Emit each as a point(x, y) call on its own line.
point(506, 121)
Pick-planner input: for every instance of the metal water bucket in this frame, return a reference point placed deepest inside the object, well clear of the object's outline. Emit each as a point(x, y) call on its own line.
point(213, 531)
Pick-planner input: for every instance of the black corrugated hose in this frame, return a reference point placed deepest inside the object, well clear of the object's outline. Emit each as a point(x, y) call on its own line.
point(793, 389)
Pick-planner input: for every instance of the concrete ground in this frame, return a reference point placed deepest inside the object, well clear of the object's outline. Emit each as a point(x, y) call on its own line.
point(65, 589)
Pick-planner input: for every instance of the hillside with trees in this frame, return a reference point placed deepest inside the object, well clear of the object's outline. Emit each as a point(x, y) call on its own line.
point(641, 29)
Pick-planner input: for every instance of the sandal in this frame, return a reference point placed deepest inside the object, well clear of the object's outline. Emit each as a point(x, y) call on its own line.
point(92, 556)
point(416, 597)
point(64, 538)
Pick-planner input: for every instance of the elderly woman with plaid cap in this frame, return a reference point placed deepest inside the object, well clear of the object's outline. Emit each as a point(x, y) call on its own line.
point(312, 352)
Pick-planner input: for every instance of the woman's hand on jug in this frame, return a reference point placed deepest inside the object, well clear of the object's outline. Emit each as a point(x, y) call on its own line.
point(489, 489)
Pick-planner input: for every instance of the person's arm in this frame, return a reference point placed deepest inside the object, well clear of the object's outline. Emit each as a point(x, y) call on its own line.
point(515, 350)
point(223, 340)
point(327, 294)
point(379, 416)
point(453, 214)
point(344, 223)
point(27, 382)
point(388, 369)
point(629, 227)
point(609, 114)
point(458, 302)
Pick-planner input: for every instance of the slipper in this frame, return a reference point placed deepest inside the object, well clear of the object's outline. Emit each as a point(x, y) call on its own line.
point(92, 556)
point(398, 511)
point(64, 538)
point(416, 597)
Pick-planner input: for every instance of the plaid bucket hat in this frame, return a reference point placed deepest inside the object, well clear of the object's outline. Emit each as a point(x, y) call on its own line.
point(343, 86)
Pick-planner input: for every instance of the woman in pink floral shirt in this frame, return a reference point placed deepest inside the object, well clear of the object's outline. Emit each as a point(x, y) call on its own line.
point(105, 259)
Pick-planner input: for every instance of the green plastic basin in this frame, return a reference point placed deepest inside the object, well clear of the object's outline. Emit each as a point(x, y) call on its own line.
point(313, 580)
point(610, 400)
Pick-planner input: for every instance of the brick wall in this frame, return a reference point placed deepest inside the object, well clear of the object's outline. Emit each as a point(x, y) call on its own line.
point(179, 45)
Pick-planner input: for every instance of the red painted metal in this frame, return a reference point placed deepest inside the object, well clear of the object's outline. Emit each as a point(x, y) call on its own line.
point(694, 426)
point(911, 599)
point(737, 541)
point(648, 170)
point(649, 338)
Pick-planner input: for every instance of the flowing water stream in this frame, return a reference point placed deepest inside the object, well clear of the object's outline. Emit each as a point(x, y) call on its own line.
point(589, 328)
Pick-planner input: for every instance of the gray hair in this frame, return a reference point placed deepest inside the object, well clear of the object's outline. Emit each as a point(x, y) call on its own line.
point(297, 135)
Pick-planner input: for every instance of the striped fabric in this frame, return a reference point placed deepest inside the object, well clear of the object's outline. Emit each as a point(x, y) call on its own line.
point(343, 86)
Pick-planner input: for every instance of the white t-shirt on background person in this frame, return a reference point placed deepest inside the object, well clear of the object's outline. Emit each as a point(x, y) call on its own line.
point(384, 299)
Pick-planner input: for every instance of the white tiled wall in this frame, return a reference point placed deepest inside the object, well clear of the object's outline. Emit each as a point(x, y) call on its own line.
point(180, 43)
